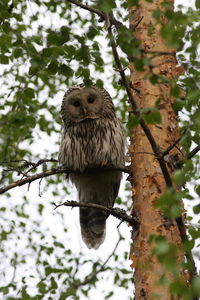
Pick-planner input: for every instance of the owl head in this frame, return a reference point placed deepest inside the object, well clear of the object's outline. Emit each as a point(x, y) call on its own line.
point(81, 103)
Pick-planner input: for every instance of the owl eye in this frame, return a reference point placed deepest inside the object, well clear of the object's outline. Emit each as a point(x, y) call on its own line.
point(90, 99)
point(76, 103)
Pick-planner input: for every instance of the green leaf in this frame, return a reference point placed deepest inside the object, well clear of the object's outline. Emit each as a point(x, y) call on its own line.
point(133, 121)
point(17, 52)
point(179, 177)
point(154, 78)
point(6, 27)
point(4, 59)
point(193, 96)
point(92, 32)
point(178, 287)
point(169, 203)
point(30, 121)
point(196, 285)
point(29, 92)
point(53, 67)
point(178, 105)
point(106, 5)
point(196, 209)
point(133, 2)
point(42, 287)
point(153, 117)
point(186, 142)
point(53, 283)
point(99, 83)
point(58, 244)
point(157, 13)
point(197, 3)
point(66, 70)
point(110, 294)
point(197, 190)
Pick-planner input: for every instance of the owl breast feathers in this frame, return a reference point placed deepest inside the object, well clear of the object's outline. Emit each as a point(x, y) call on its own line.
point(92, 137)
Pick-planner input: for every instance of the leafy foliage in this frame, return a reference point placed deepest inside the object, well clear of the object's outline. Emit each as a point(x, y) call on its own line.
point(44, 48)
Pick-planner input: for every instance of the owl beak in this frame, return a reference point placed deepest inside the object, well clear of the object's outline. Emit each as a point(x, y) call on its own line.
point(85, 110)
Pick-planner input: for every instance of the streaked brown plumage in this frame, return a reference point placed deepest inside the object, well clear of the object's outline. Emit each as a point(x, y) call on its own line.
point(92, 137)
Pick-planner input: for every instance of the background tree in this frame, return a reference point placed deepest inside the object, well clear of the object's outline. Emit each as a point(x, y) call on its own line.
point(48, 47)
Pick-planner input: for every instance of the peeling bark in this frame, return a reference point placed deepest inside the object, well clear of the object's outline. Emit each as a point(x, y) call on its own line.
point(148, 180)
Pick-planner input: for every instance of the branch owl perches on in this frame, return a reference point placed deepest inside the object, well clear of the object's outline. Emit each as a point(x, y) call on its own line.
point(92, 137)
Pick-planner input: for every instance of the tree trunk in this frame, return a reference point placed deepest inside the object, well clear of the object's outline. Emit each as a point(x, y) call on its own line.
point(148, 180)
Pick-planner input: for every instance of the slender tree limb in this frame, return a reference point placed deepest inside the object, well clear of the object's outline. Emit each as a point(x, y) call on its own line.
point(37, 164)
point(47, 173)
point(193, 152)
point(89, 8)
point(115, 212)
point(138, 22)
point(173, 145)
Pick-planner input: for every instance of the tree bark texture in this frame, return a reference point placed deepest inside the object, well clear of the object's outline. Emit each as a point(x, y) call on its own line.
point(148, 180)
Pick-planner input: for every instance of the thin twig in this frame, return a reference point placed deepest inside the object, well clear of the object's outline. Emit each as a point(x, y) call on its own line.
point(193, 152)
point(173, 145)
point(138, 22)
point(40, 162)
point(89, 8)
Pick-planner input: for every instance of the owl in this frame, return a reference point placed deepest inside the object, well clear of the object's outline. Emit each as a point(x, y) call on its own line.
point(92, 138)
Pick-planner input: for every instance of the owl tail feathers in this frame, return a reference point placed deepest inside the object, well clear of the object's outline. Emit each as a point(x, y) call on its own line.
point(93, 227)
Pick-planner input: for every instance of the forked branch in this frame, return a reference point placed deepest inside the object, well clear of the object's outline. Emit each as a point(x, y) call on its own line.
point(47, 173)
point(115, 212)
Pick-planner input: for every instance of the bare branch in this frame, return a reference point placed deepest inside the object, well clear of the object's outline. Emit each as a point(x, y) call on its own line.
point(61, 170)
point(89, 8)
point(115, 212)
point(173, 145)
point(193, 152)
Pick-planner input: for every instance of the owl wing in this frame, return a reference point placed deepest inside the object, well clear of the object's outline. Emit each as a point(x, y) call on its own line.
point(115, 186)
